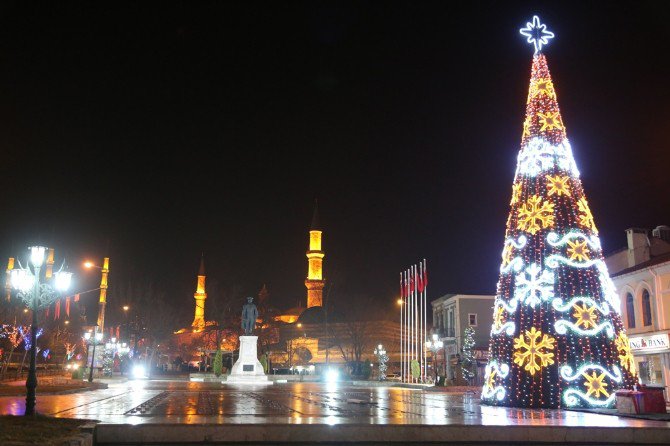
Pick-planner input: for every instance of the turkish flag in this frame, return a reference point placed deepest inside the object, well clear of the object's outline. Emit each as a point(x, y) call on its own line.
point(67, 306)
point(425, 274)
point(57, 310)
point(412, 285)
point(419, 283)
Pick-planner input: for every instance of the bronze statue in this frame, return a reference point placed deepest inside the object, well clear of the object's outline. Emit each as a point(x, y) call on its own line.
point(249, 315)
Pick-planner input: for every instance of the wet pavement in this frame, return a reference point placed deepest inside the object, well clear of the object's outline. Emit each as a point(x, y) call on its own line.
point(150, 402)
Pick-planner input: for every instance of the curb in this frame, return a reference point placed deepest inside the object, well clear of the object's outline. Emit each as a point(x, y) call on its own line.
point(400, 434)
point(83, 438)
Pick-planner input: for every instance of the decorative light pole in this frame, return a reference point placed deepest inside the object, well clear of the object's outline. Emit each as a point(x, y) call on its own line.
point(434, 345)
point(94, 339)
point(36, 295)
point(382, 358)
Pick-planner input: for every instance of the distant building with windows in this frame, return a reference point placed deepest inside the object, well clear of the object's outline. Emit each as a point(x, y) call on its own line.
point(641, 274)
point(452, 314)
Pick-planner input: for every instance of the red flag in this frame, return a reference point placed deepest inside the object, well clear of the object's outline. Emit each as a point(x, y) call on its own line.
point(118, 332)
point(425, 274)
point(419, 283)
point(76, 297)
point(67, 306)
point(411, 284)
point(57, 310)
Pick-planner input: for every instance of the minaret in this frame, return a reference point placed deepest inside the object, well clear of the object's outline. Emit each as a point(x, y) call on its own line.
point(200, 296)
point(315, 281)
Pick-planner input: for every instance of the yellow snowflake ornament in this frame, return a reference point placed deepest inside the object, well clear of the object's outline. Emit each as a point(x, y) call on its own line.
point(550, 121)
point(595, 385)
point(542, 87)
point(529, 352)
point(579, 251)
point(585, 316)
point(498, 318)
point(625, 355)
point(516, 193)
point(585, 216)
point(491, 379)
point(526, 128)
point(535, 214)
point(558, 185)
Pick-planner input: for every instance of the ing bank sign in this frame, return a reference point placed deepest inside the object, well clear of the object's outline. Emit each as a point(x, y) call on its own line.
point(654, 342)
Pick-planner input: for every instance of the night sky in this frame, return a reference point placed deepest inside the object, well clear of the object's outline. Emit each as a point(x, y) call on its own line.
point(154, 132)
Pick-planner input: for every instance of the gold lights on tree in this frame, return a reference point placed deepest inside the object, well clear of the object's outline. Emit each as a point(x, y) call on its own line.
point(585, 217)
point(578, 250)
point(530, 350)
point(585, 316)
point(595, 384)
point(516, 193)
point(558, 185)
point(535, 214)
point(626, 358)
point(549, 121)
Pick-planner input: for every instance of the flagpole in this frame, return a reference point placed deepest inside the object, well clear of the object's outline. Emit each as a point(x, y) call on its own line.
point(408, 326)
point(404, 339)
point(413, 290)
point(421, 332)
point(411, 325)
point(417, 314)
point(425, 313)
point(402, 304)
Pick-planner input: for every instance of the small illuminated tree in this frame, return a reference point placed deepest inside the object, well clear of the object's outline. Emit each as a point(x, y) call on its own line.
point(467, 358)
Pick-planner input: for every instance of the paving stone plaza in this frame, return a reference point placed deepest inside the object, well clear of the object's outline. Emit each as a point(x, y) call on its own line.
point(146, 411)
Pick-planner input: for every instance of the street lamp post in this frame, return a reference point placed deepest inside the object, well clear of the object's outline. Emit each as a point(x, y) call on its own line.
point(95, 338)
point(434, 345)
point(125, 322)
point(36, 295)
point(382, 357)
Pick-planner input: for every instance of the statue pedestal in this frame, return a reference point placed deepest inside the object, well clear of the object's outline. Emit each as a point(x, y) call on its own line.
point(248, 369)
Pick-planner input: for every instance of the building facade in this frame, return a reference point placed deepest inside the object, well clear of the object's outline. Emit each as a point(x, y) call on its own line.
point(641, 274)
point(452, 314)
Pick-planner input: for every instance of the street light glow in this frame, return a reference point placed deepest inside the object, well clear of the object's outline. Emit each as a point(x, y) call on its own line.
point(88, 264)
point(63, 279)
point(37, 255)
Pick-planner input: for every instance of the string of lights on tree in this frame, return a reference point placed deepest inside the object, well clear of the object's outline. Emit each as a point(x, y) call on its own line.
point(557, 339)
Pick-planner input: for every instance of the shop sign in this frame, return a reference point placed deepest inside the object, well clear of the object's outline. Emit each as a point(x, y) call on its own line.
point(481, 354)
point(654, 342)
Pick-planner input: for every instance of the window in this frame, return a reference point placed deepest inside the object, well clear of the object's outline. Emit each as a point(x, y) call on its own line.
point(646, 308)
point(630, 310)
point(472, 319)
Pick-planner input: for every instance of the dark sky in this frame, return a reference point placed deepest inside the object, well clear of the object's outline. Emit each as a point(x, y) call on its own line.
point(152, 132)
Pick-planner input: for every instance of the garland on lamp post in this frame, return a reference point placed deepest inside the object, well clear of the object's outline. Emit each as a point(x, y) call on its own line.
point(382, 358)
point(37, 295)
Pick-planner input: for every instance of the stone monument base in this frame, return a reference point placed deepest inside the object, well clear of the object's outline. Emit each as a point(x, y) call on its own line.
point(248, 369)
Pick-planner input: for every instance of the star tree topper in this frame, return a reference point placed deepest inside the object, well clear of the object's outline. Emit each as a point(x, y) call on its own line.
point(536, 34)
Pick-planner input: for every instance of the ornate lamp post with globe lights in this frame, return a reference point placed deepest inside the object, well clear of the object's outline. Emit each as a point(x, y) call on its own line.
point(94, 339)
point(36, 295)
point(434, 345)
point(382, 357)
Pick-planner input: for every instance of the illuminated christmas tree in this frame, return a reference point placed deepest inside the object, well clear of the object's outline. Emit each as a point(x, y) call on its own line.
point(557, 339)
